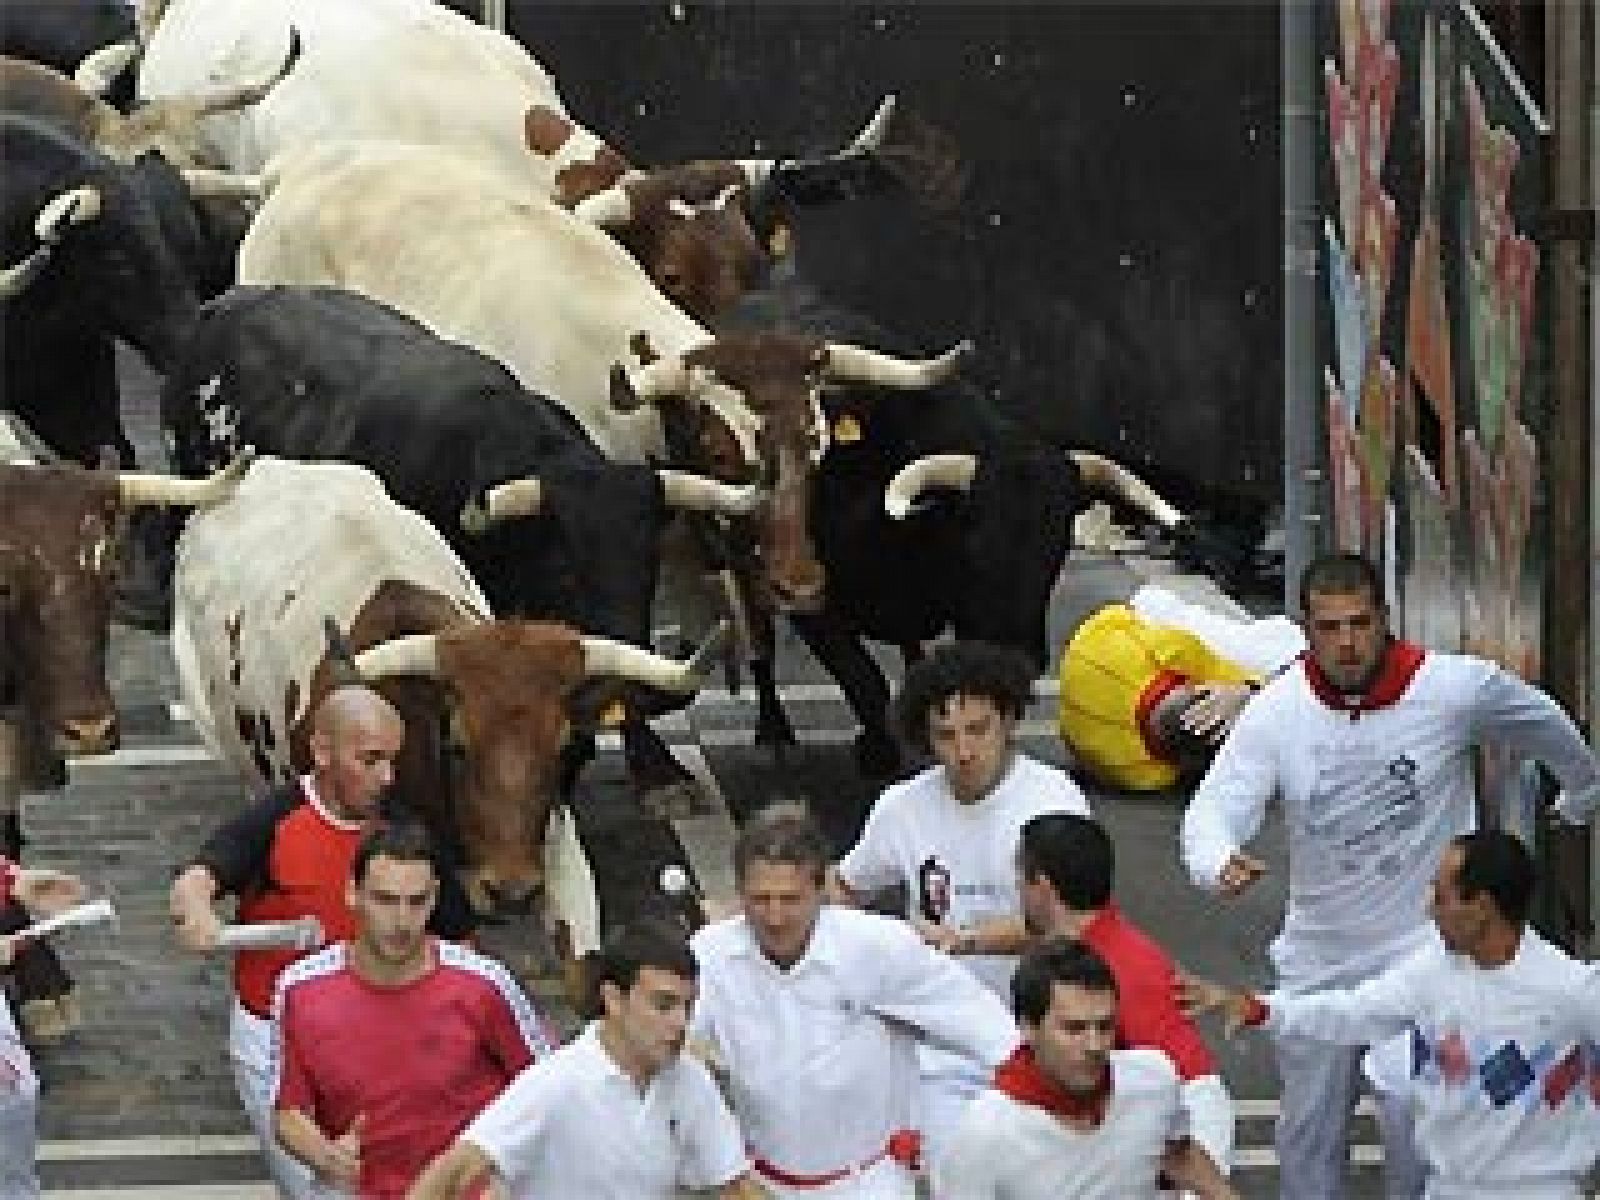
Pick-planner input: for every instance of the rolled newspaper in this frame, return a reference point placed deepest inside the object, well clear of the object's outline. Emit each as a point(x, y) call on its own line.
point(302, 934)
point(93, 913)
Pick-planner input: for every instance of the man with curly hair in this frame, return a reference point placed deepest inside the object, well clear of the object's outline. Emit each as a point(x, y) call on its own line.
point(949, 834)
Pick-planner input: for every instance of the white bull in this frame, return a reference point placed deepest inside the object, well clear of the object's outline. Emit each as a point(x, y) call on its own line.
point(448, 243)
point(415, 71)
point(299, 544)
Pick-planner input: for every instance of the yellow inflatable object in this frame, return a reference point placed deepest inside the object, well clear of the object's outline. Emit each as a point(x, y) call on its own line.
point(1105, 669)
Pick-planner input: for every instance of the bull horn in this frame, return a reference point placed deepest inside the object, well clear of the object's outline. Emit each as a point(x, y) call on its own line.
point(609, 208)
point(1102, 474)
point(177, 112)
point(503, 502)
point(73, 207)
point(206, 183)
point(603, 656)
point(99, 70)
point(688, 492)
point(759, 171)
point(932, 471)
point(663, 378)
point(413, 654)
point(846, 363)
point(140, 490)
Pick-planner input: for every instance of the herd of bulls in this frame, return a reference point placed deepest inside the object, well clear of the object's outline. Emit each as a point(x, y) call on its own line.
point(504, 385)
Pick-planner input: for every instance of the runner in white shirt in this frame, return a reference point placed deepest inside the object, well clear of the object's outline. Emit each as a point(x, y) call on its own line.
point(1068, 1116)
point(618, 1114)
point(950, 835)
point(1367, 743)
point(815, 1013)
point(1504, 1033)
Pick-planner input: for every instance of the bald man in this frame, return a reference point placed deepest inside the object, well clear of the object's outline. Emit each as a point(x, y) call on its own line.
point(290, 855)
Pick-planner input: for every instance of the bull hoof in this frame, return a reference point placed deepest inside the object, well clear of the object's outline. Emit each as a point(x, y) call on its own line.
point(877, 755)
point(673, 801)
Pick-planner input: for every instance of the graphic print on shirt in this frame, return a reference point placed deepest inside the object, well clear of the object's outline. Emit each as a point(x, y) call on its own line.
point(933, 889)
point(1364, 798)
point(1505, 1071)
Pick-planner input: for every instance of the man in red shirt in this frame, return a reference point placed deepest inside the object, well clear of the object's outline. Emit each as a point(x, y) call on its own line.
point(386, 1046)
point(1067, 864)
point(287, 856)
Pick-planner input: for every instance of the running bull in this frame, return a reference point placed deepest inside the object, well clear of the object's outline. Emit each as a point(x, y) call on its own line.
point(487, 704)
point(557, 531)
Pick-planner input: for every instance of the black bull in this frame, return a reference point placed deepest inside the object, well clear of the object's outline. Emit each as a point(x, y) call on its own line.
point(980, 563)
point(321, 373)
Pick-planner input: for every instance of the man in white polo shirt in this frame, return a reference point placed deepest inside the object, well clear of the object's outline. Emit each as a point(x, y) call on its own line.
point(949, 834)
point(618, 1114)
point(1068, 1116)
point(816, 1011)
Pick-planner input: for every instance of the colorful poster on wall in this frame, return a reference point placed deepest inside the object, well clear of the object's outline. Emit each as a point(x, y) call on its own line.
point(1436, 381)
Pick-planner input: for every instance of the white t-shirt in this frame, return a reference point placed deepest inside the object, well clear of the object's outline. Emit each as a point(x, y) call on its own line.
point(1370, 800)
point(821, 1057)
point(575, 1125)
point(958, 861)
point(1504, 1063)
point(1006, 1150)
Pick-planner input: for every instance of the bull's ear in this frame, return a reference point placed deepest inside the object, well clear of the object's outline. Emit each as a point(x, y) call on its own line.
point(341, 658)
point(597, 704)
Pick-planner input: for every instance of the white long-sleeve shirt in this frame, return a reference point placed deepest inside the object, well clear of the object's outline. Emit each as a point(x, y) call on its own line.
point(1371, 800)
point(1505, 1063)
point(821, 1057)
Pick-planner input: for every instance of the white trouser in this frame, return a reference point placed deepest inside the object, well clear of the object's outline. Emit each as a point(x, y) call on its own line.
point(250, 1052)
point(883, 1180)
point(1319, 1085)
point(19, 1111)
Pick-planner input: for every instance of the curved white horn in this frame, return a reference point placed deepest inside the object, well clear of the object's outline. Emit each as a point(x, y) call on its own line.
point(205, 183)
point(73, 207)
point(1108, 476)
point(100, 69)
point(689, 492)
point(414, 654)
point(931, 471)
point(846, 362)
point(139, 489)
point(603, 656)
point(503, 502)
point(607, 208)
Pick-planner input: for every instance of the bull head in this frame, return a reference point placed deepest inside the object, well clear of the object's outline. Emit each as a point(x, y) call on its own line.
point(748, 404)
point(513, 691)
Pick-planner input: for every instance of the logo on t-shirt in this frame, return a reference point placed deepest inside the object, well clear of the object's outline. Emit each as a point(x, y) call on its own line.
point(933, 889)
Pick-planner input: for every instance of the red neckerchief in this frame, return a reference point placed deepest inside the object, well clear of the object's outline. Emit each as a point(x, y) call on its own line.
point(1400, 662)
point(8, 879)
point(1020, 1078)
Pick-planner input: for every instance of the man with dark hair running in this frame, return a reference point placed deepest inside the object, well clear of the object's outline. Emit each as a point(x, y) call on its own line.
point(1504, 1031)
point(1367, 743)
point(619, 1114)
point(386, 1045)
point(1067, 864)
point(1068, 1114)
point(949, 834)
